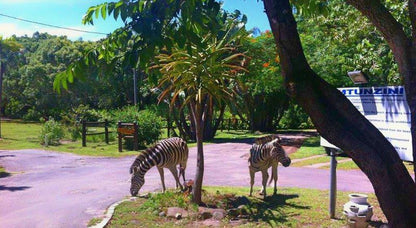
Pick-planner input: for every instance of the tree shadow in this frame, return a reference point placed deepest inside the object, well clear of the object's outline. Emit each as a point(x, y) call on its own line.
point(274, 209)
point(4, 174)
point(7, 156)
point(13, 189)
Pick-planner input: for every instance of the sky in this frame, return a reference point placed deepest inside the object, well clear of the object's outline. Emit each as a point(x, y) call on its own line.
point(68, 13)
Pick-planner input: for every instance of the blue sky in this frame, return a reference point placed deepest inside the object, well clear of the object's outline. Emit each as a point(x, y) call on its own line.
point(68, 13)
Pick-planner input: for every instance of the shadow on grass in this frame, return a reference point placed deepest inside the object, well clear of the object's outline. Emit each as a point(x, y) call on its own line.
point(273, 209)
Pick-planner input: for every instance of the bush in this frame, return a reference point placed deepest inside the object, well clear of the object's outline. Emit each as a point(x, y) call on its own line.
point(295, 118)
point(150, 125)
point(51, 133)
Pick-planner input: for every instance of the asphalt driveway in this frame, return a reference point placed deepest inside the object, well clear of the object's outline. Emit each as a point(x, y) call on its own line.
point(49, 189)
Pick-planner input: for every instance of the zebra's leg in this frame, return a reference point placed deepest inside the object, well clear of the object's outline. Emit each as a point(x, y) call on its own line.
point(251, 181)
point(175, 175)
point(274, 176)
point(162, 178)
point(265, 176)
point(182, 171)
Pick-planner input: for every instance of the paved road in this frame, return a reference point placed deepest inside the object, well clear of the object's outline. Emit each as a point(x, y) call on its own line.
point(51, 189)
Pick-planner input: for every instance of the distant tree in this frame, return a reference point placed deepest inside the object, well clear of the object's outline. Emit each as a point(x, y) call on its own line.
point(6, 46)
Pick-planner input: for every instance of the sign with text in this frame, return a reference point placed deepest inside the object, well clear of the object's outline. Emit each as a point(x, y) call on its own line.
point(386, 108)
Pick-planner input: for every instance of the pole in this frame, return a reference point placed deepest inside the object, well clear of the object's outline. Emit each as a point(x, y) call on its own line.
point(135, 86)
point(333, 183)
point(1, 88)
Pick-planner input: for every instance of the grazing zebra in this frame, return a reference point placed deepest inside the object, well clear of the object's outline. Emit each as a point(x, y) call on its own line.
point(264, 155)
point(167, 153)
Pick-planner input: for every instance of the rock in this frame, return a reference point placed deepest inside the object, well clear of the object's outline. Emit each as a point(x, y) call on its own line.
point(218, 215)
point(242, 209)
point(162, 214)
point(211, 223)
point(204, 215)
point(233, 212)
point(173, 211)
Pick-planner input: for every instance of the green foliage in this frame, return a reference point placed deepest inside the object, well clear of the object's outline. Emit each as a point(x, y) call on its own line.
point(148, 122)
point(263, 98)
point(51, 133)
point(295, 118)
point(343, 41)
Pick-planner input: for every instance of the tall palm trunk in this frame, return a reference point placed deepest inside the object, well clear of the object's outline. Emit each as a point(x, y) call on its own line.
point(196, 110)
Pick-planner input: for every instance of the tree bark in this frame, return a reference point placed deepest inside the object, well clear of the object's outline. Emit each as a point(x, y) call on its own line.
point(402, 46)
point(341, 123)
point(196, 111)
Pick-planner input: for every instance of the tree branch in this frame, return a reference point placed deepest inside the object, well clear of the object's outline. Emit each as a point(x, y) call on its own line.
point(412, 15)
point(389, 27)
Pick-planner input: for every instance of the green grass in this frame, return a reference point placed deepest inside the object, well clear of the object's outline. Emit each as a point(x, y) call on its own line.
point(19, 135)
point(291, 207)
point(311, 161)
point(310, 147)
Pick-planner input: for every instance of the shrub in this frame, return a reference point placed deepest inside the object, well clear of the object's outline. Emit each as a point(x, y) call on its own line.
point(295, 118)
point(150, 125)
point(51, 133)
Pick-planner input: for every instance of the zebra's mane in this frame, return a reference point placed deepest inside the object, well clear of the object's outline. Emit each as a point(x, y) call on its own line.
point(266, 139)
point(141, 157)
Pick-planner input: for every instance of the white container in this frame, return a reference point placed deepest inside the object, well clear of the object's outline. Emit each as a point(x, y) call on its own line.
point(358, 210)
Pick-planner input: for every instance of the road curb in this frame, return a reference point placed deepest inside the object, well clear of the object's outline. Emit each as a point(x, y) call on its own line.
point(110, 212)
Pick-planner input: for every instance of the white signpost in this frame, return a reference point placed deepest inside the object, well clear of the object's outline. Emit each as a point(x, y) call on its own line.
point(386, 108)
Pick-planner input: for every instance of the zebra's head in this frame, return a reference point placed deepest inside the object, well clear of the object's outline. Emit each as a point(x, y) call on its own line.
point(281, 154)
point(137, 178)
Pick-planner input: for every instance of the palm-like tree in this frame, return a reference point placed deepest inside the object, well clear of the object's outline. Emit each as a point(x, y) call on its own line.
point(202, 71)
point(6, 45)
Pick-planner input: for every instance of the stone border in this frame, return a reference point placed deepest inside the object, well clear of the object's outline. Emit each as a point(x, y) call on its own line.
point(110, 212)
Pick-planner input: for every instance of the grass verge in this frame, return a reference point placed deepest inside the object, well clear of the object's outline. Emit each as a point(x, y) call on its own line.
point(291, 207)
point(310, 147)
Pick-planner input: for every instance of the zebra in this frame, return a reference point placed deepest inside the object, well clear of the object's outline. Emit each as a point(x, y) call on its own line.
point(264, 155)
point(266, 139)
point(167, 153)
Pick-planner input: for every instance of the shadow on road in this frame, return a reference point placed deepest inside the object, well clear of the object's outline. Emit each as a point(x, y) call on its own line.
point(4, 174)
point(13, 189)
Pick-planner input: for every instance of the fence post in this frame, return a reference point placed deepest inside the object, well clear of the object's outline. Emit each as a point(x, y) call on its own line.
point(135, 137)
point(120, 140)
point(84, 133)
point(106, 130)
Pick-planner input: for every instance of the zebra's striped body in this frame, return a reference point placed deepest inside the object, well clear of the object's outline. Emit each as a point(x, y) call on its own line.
point(167, 153)
point(262, 157)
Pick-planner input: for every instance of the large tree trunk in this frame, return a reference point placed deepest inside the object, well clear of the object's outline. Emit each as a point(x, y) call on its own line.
point(341, 123)
point(402, 46)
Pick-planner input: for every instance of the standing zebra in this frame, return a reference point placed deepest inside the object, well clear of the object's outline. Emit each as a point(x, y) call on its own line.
point(268, 153)
point(167, 153)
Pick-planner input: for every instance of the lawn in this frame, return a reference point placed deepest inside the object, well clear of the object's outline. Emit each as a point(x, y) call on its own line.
point(310, 147)
point(291, 207)
point(24, 135)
